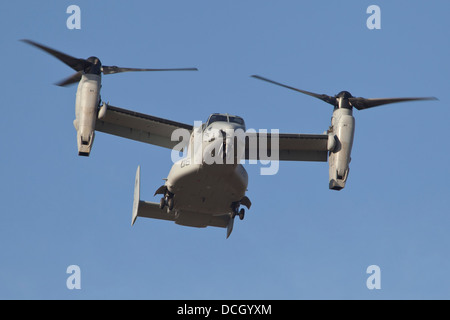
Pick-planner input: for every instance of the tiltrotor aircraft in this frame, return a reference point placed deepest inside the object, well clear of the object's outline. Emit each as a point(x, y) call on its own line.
point(208, 186)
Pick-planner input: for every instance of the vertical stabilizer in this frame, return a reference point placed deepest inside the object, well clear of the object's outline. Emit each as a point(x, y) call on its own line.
point(136, 200)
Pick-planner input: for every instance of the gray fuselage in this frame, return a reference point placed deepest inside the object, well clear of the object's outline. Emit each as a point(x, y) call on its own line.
point(207, 181)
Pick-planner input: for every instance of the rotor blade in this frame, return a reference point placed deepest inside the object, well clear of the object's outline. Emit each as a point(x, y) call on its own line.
point(323, 97)
point(70, 80)
point(362, 103)
point(74, 63)
point(115, 69)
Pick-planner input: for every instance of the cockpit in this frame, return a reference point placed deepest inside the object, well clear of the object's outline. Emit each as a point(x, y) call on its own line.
point(217, 117)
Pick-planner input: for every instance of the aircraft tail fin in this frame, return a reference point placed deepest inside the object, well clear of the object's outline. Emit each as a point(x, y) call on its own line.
point(137, 191)
point(230, 227)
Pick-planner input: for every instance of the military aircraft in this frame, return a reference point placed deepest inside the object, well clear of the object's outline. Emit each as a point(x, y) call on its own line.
point(207, 187)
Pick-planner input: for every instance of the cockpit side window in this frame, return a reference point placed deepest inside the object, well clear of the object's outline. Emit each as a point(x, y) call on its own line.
point(237, 120)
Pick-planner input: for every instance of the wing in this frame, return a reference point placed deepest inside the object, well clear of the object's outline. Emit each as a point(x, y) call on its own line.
point(137, 126)
point(292, 147)
point(158, 131)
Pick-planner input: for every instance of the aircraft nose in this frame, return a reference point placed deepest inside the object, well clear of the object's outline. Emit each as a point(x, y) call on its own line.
point(230, 128)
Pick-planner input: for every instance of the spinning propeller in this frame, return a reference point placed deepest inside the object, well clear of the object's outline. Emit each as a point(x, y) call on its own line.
point(344, 96)
point(91, 65)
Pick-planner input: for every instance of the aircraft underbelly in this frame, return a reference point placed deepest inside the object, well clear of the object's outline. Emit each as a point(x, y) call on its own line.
point(207, 188)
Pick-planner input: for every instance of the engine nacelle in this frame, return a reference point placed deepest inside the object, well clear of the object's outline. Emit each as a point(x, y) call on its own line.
point(86, 110)
point(342, 131)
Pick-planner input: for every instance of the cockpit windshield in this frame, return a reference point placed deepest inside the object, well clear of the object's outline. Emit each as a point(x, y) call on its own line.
point(216, 118)
point(225, 118)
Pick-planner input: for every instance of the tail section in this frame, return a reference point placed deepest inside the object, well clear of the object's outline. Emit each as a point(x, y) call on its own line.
point(185, 218)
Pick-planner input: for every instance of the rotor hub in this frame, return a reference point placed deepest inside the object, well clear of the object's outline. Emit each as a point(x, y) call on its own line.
point(344, 94)
point(95, 66)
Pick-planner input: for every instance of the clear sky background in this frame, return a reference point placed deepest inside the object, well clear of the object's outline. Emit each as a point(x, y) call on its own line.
point(300, 240)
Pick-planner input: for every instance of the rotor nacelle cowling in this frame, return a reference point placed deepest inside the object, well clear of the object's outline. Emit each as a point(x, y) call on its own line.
point(86, 109)
point(340, 145)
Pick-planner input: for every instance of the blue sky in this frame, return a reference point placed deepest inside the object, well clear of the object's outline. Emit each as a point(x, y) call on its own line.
point(299, 240)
